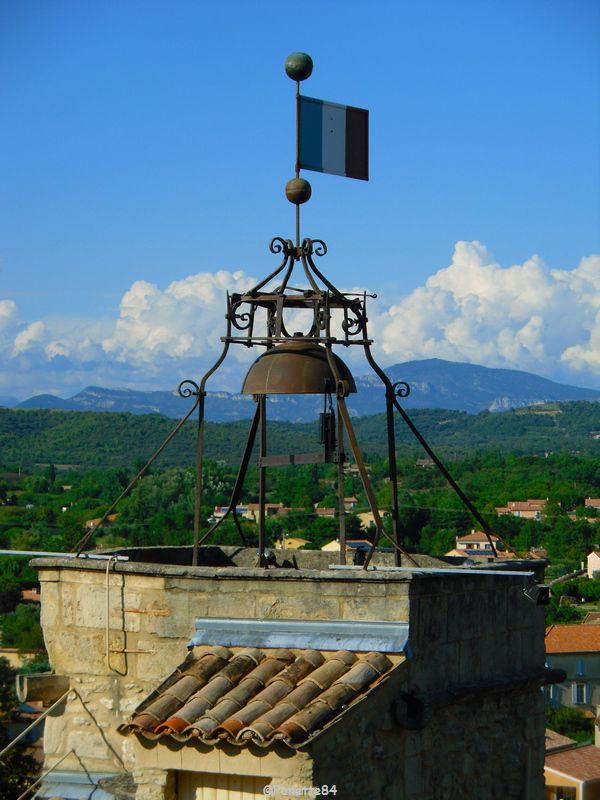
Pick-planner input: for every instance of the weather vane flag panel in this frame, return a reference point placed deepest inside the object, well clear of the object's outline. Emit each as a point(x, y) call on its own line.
point(334, 138)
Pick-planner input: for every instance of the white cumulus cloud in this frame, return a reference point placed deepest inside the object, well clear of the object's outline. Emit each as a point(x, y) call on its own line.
point(29, 337)
point(185, 320)
point(525, 316)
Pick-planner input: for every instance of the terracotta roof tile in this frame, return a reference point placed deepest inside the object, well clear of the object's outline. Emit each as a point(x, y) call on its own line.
point(581, 763)
point(257, 695)
point(554, 741)
point(476, 536)
point(573, 639)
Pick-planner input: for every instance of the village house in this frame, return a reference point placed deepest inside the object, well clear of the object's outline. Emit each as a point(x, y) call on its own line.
point(228, 678)
point(93, 523)
point(576, 650)
point(425, 463)
point(352, 546)
point(367, 518)
point(526, 509)
point(324, 512)
point(250, 511)
point(593, 564)
point(572, 771)
point(350, 503)
point(477, 544)
point(291, 542)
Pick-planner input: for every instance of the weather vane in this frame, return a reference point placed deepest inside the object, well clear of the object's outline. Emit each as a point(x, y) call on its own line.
point(330, 137)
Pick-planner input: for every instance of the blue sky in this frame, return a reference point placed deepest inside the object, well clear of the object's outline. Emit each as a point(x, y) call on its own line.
point(145, 147)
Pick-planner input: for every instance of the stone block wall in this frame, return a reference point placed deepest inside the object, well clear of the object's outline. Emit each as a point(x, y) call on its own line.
point(476, 636)
point(152, 611)
point(464, 629)
point(485, 748)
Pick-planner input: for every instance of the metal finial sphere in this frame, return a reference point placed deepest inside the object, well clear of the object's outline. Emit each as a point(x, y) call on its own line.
point(298, 66)
point(298, 191)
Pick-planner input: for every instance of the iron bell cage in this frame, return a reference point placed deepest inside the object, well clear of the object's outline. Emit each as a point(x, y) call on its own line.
point(297, 363)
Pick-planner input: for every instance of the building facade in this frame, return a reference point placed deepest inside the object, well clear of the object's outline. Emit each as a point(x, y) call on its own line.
point(428, 689)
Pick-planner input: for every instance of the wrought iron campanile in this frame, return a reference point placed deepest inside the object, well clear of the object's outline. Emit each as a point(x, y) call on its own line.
point(300, 362)
point(295, 362)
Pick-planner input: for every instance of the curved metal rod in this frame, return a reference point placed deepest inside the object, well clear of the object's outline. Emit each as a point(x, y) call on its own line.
point(307, 272)
point(236, 519)
point(343, 410)
point(277, 245)
point(200, 448)
point(440, 465)
point(367, 486)
point(313, 330)
point(85, 539)
point(353, 306)
point(214, 368)
point(307, 250)
point(283, 285)
point(340, 389)
point(214, 527)
point(402, 389)
point(239, 481)
point(391, 442)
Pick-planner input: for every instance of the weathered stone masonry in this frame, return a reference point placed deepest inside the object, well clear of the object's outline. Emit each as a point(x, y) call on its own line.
point(463, 717)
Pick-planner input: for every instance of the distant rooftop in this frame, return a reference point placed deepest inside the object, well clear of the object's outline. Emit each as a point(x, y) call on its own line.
point(573, 639)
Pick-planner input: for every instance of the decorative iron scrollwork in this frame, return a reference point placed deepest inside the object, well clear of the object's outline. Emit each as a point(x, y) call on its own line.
point(315, 247)
point(352, 324)
point(321, 247)
point(280, 245)
point(188, 388)
point(401, 389)
point(242, 322)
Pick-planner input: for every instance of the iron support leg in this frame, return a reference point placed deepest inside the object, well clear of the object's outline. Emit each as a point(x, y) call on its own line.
point(365, 481)
point(198, 489)
point(262, 481)
point(342, 507)
point(393, 474)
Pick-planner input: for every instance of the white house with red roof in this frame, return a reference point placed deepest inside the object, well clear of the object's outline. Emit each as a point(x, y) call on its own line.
point(532, 508)
point(476, 544)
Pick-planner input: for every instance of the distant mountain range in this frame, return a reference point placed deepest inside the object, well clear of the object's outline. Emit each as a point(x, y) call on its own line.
point(434, 383)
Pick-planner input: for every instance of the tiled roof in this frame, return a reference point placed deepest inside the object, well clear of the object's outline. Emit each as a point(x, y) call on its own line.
point(476, 536)
point(556, 740)
point(531, 503)
point(257, 695)
point(573, 639)
point(581, 763)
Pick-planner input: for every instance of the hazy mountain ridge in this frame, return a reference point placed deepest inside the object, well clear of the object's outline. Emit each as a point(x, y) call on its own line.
point(434, 383)
point(97, 439)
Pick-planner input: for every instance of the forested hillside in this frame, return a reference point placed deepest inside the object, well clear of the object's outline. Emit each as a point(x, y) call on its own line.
point(94, 439)
point(50, 508)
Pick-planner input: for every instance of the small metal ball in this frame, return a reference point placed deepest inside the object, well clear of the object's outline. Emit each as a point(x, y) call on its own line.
point(298, 66)
point(298, 191)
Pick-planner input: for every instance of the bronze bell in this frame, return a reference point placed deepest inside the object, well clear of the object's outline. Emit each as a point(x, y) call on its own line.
point(296, 367)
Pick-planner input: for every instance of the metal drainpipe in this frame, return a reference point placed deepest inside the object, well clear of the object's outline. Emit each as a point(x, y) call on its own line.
point(110, 561)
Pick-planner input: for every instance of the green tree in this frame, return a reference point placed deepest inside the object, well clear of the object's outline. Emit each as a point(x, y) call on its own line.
point(570, 722)
point(21, 629)
point(17, 768)
point(50, 473)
